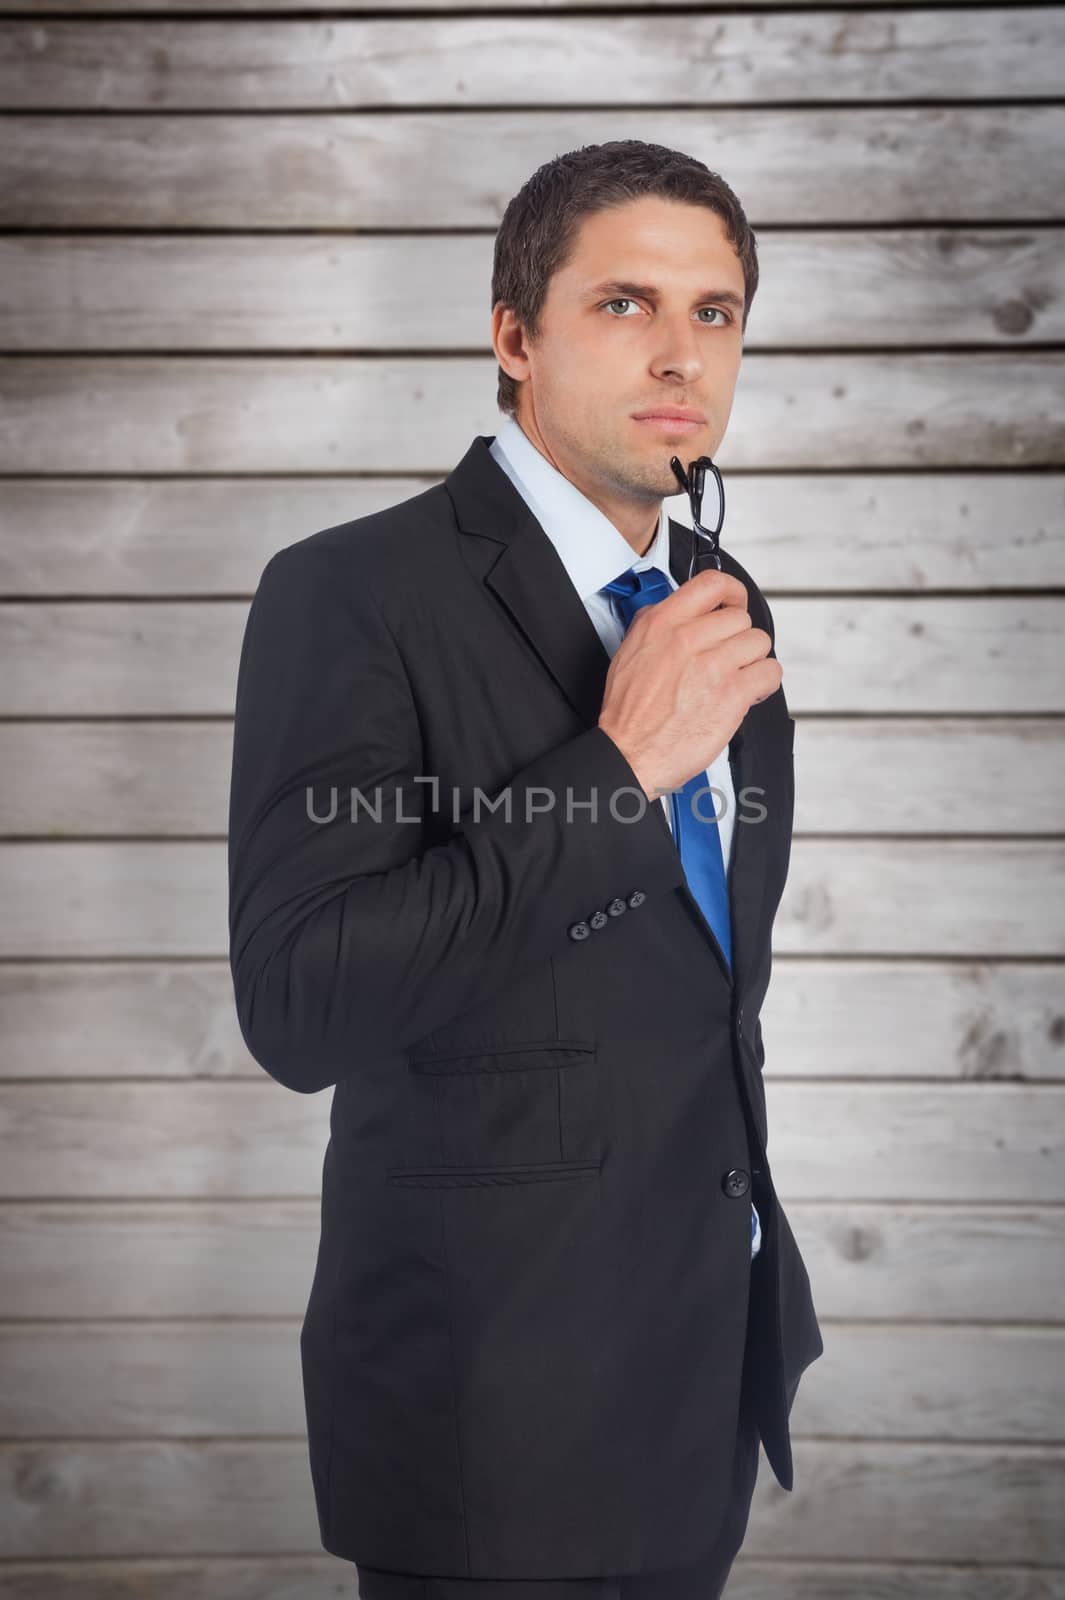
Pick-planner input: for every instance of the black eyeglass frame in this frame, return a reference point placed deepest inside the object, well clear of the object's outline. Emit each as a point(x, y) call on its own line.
point(707, 553)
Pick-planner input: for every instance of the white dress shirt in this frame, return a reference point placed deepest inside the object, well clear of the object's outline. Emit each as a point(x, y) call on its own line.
point(593, 553)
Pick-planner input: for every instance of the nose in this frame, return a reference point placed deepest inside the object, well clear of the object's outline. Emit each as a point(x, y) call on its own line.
point(679, 353)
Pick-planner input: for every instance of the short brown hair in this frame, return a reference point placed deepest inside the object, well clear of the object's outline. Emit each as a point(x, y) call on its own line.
point(540, 225)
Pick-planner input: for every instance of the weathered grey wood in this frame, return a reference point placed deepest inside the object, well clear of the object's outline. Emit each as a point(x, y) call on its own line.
point(962, 1502)
point(918, 1141)
point(899, 1381)
point(315, 1578)
point(933, 775)
point(161, 1141)
point(167, 1497)
point(175, 1379)
point(458, 61)
point(264, 1578)
point(915, 654)
point(844, 897)
point(249, 9)
point(968, 1020)
point(928, 1198)
point(457, 169)
point(948, 1020)
point(255, 1258)
point(920, 654)
point(950, 1263)
point(899, 287)
point(125, 778)
point(154, 1258)
point(788, 1578)
point(213, 536)
point(208, 1498)
point(187, 1379)
point(142, 414)
point(124, 1020)
point(985, 775)
point(824, 532)
point(922, 897)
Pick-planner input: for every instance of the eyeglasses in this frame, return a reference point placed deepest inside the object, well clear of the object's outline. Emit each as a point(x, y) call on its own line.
point(707, 553)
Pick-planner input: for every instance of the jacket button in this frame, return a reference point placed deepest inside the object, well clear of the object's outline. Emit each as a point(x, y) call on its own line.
point(598, 919)
point(736, 1182)
point(579, 930)
point(637, 897)
point(617, 907)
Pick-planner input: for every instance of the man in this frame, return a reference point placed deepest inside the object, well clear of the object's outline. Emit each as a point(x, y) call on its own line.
point(557, 1301)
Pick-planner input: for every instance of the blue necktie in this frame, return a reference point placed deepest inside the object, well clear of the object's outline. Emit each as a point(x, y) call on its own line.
point(695, 828)
point(695, 832)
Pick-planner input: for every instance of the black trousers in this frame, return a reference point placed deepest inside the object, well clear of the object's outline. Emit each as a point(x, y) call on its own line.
point(705, 1581)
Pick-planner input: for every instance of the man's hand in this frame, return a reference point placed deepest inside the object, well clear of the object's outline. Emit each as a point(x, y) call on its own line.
point(683, 679)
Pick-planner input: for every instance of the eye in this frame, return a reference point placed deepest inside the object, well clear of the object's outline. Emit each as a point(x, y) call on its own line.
point(723, 317)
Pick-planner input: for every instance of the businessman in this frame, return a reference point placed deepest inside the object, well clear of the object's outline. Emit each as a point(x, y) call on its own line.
point(510, 819)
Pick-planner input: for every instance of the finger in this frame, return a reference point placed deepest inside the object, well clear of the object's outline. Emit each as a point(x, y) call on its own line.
point(706, 591)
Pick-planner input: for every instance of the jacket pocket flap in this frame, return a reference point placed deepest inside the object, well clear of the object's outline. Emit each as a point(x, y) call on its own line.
point(508, 1057)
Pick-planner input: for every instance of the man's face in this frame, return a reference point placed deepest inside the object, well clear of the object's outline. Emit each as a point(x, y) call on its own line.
point(609, 348)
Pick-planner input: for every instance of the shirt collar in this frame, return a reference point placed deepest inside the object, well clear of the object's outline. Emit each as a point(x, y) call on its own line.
point(591, 549)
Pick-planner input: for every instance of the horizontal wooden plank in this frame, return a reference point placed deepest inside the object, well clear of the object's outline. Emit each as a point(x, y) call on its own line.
point(314, 1578)
point(145, 414)
point(849, 1501)
point(190, 1379)
point(900, 1381)
point(100, 779)
point(850, 897)
point(919, 1141)
point(267, 1577)
point(456, 61)
point(264, 8)
point(993, 1503)
point(152, 1258)
point(174, 1380)
point(885, 287)
point(922, 897)
point(975, 1263)
point(902, 531)
point(920, 654)
point(124, 1020)
point(915, 654)
point(457, 169)
point(168, 1498)
point(967, 1020)
point(947, 1020)
point(166, 1141)
point(980, 775)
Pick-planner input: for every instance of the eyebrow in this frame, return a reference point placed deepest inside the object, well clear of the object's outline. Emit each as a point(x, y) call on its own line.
point(647, 291)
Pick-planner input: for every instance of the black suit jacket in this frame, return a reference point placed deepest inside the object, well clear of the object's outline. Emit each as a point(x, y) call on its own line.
point(523, 1345)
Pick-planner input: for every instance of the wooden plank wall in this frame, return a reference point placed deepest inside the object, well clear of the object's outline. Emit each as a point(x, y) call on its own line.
point(237, 241)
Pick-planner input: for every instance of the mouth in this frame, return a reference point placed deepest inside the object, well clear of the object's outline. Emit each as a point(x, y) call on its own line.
point(671, 422)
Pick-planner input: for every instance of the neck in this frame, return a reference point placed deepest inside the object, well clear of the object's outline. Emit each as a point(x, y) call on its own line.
point(629, 516)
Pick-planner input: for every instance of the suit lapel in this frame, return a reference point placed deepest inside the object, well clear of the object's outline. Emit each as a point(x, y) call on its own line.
point(516, 560)
point(522, 568)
